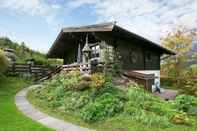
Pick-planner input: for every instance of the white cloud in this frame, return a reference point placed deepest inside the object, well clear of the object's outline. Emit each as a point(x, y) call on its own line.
point(35, 8)
point(149, 18)
point(22, 5)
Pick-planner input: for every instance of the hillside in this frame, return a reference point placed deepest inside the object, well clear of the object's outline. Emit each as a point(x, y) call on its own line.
point(97, 102)
point(24, 53)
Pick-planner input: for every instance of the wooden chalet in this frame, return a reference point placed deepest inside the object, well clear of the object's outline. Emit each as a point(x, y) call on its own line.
point(85, 44)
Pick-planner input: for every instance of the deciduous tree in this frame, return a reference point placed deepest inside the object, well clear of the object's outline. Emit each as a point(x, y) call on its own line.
point(179, 41)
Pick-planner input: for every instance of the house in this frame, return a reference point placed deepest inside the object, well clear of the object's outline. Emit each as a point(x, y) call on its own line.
point(90, 43)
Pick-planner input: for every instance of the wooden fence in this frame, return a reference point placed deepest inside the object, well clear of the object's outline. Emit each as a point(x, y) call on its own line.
point(35, 70)
point(66, 68)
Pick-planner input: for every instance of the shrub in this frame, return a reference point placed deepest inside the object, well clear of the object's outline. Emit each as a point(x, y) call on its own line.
point(98, 80)
point(146, 118)
point(185, 102)
point(75, 101)
point(71, 79)
point(3, 62)
point(161, 108)
point(139, 96)
point(105, 106)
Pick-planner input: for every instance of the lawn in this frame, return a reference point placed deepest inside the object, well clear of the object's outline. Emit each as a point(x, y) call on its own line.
point(10, 118)
point(102, 106)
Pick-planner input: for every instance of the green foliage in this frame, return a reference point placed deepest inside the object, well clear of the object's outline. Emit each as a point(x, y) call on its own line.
point(24, 53)
point(184, 85)
point(145, 117)
point(3, 62)
point(75, 101)
point(179, 67)
point(163, 111)
point(180, 41)
point(145, 108)
point(100, 104)
point(106, 105)
point(185, 102)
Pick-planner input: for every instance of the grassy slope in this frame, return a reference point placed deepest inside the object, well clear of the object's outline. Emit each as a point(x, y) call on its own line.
point(116, 123)
point(10, 118)
point(23, 53)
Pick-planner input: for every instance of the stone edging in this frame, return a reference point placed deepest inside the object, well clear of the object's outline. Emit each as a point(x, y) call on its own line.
point(29, 110)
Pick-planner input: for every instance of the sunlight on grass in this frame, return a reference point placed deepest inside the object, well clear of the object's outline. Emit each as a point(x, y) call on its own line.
point(11, 119)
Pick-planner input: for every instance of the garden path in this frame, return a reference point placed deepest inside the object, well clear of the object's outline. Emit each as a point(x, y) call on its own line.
point(26, 108)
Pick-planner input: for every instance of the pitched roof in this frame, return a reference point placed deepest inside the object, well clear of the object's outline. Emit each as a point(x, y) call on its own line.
point(91, 28)
point(105, 27)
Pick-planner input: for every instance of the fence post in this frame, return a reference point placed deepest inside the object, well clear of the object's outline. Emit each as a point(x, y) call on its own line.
point(30, 71)
point(13, 67)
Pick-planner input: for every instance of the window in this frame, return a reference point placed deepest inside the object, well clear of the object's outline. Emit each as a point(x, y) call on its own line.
point(95, 51)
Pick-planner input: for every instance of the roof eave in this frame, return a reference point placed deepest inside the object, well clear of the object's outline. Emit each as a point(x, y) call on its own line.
point(54, 44)
point(164, 50)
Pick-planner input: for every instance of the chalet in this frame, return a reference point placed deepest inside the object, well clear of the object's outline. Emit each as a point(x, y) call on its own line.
point(85, 44)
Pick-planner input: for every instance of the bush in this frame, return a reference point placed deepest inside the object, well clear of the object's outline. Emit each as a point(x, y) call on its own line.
point(185, 102)
point(105, 106)
point(3, 62)
point(162, 112)
point(71, 79)
point(145, 117)
point(75, 101)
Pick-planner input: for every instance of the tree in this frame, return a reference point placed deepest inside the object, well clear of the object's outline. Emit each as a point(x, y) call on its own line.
point(3, 62)
point(179, 41)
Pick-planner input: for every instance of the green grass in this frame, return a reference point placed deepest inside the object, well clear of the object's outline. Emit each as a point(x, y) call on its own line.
point(141, 112)
point(10, 118)
point(116, 123)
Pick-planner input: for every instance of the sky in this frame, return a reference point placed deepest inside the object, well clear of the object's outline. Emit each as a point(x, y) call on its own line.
point(38, 22)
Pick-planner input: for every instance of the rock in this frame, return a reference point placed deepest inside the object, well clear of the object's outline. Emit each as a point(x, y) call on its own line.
point(82, 85)
point(86, 77)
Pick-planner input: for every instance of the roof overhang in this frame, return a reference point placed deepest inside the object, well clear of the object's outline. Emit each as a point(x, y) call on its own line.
point(66, 33)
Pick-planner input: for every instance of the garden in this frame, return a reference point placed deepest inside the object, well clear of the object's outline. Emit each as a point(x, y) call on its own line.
point(97, 103)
